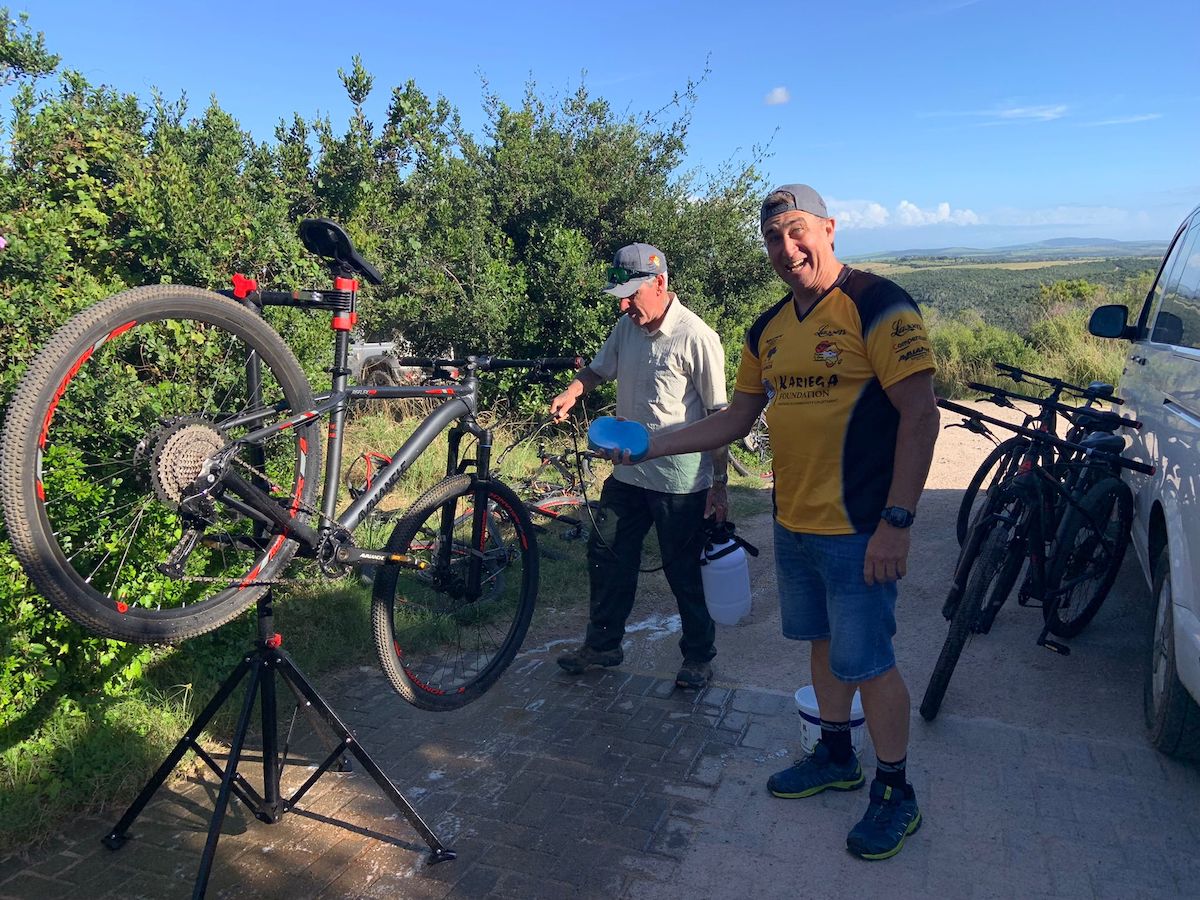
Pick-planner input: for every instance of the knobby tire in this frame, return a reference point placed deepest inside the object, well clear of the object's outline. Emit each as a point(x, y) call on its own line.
point(438, 648)
point(108, 428)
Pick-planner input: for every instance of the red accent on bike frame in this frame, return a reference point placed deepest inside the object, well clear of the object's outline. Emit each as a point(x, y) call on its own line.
point(122, 606)
point(274, 641)
point(513, 515)
point(243, 286)
point(342, 322)
point(345, 284)
point(437, 391)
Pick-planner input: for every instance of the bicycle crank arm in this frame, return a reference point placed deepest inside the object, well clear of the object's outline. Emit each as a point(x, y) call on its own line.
point(354, 555)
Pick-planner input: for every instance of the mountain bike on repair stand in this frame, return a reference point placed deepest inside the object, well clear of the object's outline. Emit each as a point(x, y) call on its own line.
point(161, 461)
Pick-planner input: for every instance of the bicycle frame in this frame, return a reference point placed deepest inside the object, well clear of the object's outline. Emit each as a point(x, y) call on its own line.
point(329, 540)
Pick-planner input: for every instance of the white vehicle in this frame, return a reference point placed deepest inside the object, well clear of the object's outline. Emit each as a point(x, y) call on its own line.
point(1161, 387)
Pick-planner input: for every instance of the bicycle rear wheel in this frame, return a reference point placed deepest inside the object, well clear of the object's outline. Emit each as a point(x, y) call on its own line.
point(996, 467)
point(439, 647)
point(112, 425)
point(1089, 547)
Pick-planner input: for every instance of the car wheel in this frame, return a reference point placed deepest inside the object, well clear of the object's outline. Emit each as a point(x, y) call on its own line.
point(1172, 716)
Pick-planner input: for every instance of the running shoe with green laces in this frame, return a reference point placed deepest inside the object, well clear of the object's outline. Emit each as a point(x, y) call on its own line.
point(815, 773)
point(583, 657)
point(891, 817)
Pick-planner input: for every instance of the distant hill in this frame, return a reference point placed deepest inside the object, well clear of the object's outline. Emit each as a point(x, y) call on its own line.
point(1055, 249)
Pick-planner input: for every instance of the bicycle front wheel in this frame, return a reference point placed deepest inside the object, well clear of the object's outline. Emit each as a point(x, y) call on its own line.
point(996, 467)
point(110, 429)
point(983, 556)
point(442, 645)
point(1089, 547)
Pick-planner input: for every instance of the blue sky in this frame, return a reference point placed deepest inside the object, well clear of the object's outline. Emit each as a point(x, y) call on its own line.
point(928, 123)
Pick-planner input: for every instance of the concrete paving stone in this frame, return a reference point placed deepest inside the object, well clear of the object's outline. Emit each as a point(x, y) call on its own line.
point(715, 696)
point(674, 838)
point(661, 690)
point(761, 703)
point(721, 738)
point(618, 745)
point(734, 720)
point(664, 735)
point(707, 770)
point(647, 716)
point(29, 886)
point(759, 737)
point(575, 768)
point(637, 685)
point(656, 770)
point(532, 887)
point(540, 809)
point(647, 813)
point(477, 881)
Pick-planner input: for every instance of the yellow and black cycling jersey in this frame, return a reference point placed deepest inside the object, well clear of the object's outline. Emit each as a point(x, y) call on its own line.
point(833, 429)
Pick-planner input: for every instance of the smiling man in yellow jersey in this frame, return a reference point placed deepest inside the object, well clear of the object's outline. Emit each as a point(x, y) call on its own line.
point(844, 368)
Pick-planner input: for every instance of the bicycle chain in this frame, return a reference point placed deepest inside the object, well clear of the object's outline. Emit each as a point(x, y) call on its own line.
point(263, 582)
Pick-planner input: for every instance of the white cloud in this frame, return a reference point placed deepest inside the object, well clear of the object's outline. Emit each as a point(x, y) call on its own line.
point(777, 96)
point(863, 214)
point(1124, 120)
point(1037, 113)
point(1005, 115)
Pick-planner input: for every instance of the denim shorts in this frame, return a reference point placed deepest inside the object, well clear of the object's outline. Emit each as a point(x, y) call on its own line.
point(823, 596)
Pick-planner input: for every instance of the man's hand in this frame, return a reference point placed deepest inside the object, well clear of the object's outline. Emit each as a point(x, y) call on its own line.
point(561, 405)
point(718, 502)
point(887, 554)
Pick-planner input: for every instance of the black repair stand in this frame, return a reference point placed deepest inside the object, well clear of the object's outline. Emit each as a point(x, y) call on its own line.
point(263, 664)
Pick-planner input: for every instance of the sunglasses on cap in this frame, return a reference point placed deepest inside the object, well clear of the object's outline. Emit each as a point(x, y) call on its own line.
point(620, 275)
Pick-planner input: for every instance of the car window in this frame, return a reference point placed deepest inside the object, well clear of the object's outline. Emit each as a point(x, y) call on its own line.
point(1166, 275)
point(1177, 321)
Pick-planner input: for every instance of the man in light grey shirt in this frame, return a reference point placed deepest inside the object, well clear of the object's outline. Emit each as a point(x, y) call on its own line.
point(670, 371)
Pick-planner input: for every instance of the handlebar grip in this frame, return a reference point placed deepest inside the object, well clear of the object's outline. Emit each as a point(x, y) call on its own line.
point(1134, 465)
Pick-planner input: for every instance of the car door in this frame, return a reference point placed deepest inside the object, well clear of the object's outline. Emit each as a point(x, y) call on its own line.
point(1163, 386)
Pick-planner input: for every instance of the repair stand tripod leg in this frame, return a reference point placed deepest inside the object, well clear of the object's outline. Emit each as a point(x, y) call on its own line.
point(262, 665)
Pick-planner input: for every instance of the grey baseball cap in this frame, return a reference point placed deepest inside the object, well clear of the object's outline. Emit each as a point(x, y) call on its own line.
point(799, 197)
point(633, 266)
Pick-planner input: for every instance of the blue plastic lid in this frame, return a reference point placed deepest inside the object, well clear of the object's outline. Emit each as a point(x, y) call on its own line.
point(608, 433)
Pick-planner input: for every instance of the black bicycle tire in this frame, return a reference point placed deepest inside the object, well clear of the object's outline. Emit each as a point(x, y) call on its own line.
point(412, 689)
point(32, 409)
point(1010, 447)
point(995, 570)
point(1068, 626)
point(960, 626)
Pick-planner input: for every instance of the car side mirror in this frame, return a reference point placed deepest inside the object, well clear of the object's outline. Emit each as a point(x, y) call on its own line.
point(1109, 321)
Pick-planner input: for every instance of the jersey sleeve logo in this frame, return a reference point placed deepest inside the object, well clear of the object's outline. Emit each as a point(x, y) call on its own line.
point(828, 352)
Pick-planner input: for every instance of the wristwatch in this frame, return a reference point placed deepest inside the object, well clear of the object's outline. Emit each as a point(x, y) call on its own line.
point(723, 478)
point(897, 516)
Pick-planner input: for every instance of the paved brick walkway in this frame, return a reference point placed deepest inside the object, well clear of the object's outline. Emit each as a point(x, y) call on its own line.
point(616, 785)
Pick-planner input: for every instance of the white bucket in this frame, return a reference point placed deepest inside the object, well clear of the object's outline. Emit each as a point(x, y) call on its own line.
point(810, 720)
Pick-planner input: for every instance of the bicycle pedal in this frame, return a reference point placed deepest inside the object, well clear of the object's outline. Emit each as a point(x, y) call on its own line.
point(1060, 649)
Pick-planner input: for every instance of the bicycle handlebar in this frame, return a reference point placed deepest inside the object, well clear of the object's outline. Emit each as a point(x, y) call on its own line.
point(494, 363)
point(1102, 416)
point(1047, 438)
point(1018, 375)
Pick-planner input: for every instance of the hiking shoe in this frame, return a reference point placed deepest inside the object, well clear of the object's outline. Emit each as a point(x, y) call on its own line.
point(694, 675)
point(891, 817)
point(815, 773)
point(578, 660)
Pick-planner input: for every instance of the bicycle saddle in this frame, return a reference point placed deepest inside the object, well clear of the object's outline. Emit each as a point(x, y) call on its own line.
point(1109, 443)
point(1100, 388)
point(328, 240)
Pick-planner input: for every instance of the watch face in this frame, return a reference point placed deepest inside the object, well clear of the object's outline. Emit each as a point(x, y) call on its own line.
point(897, 517)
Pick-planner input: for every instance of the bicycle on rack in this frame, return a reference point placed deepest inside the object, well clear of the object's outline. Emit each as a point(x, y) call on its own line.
point(161, 459)
point(557, 490)
point(1001, 461)
point(1073, 556)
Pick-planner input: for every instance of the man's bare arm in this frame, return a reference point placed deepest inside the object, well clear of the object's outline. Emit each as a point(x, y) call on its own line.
point(585, 380)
